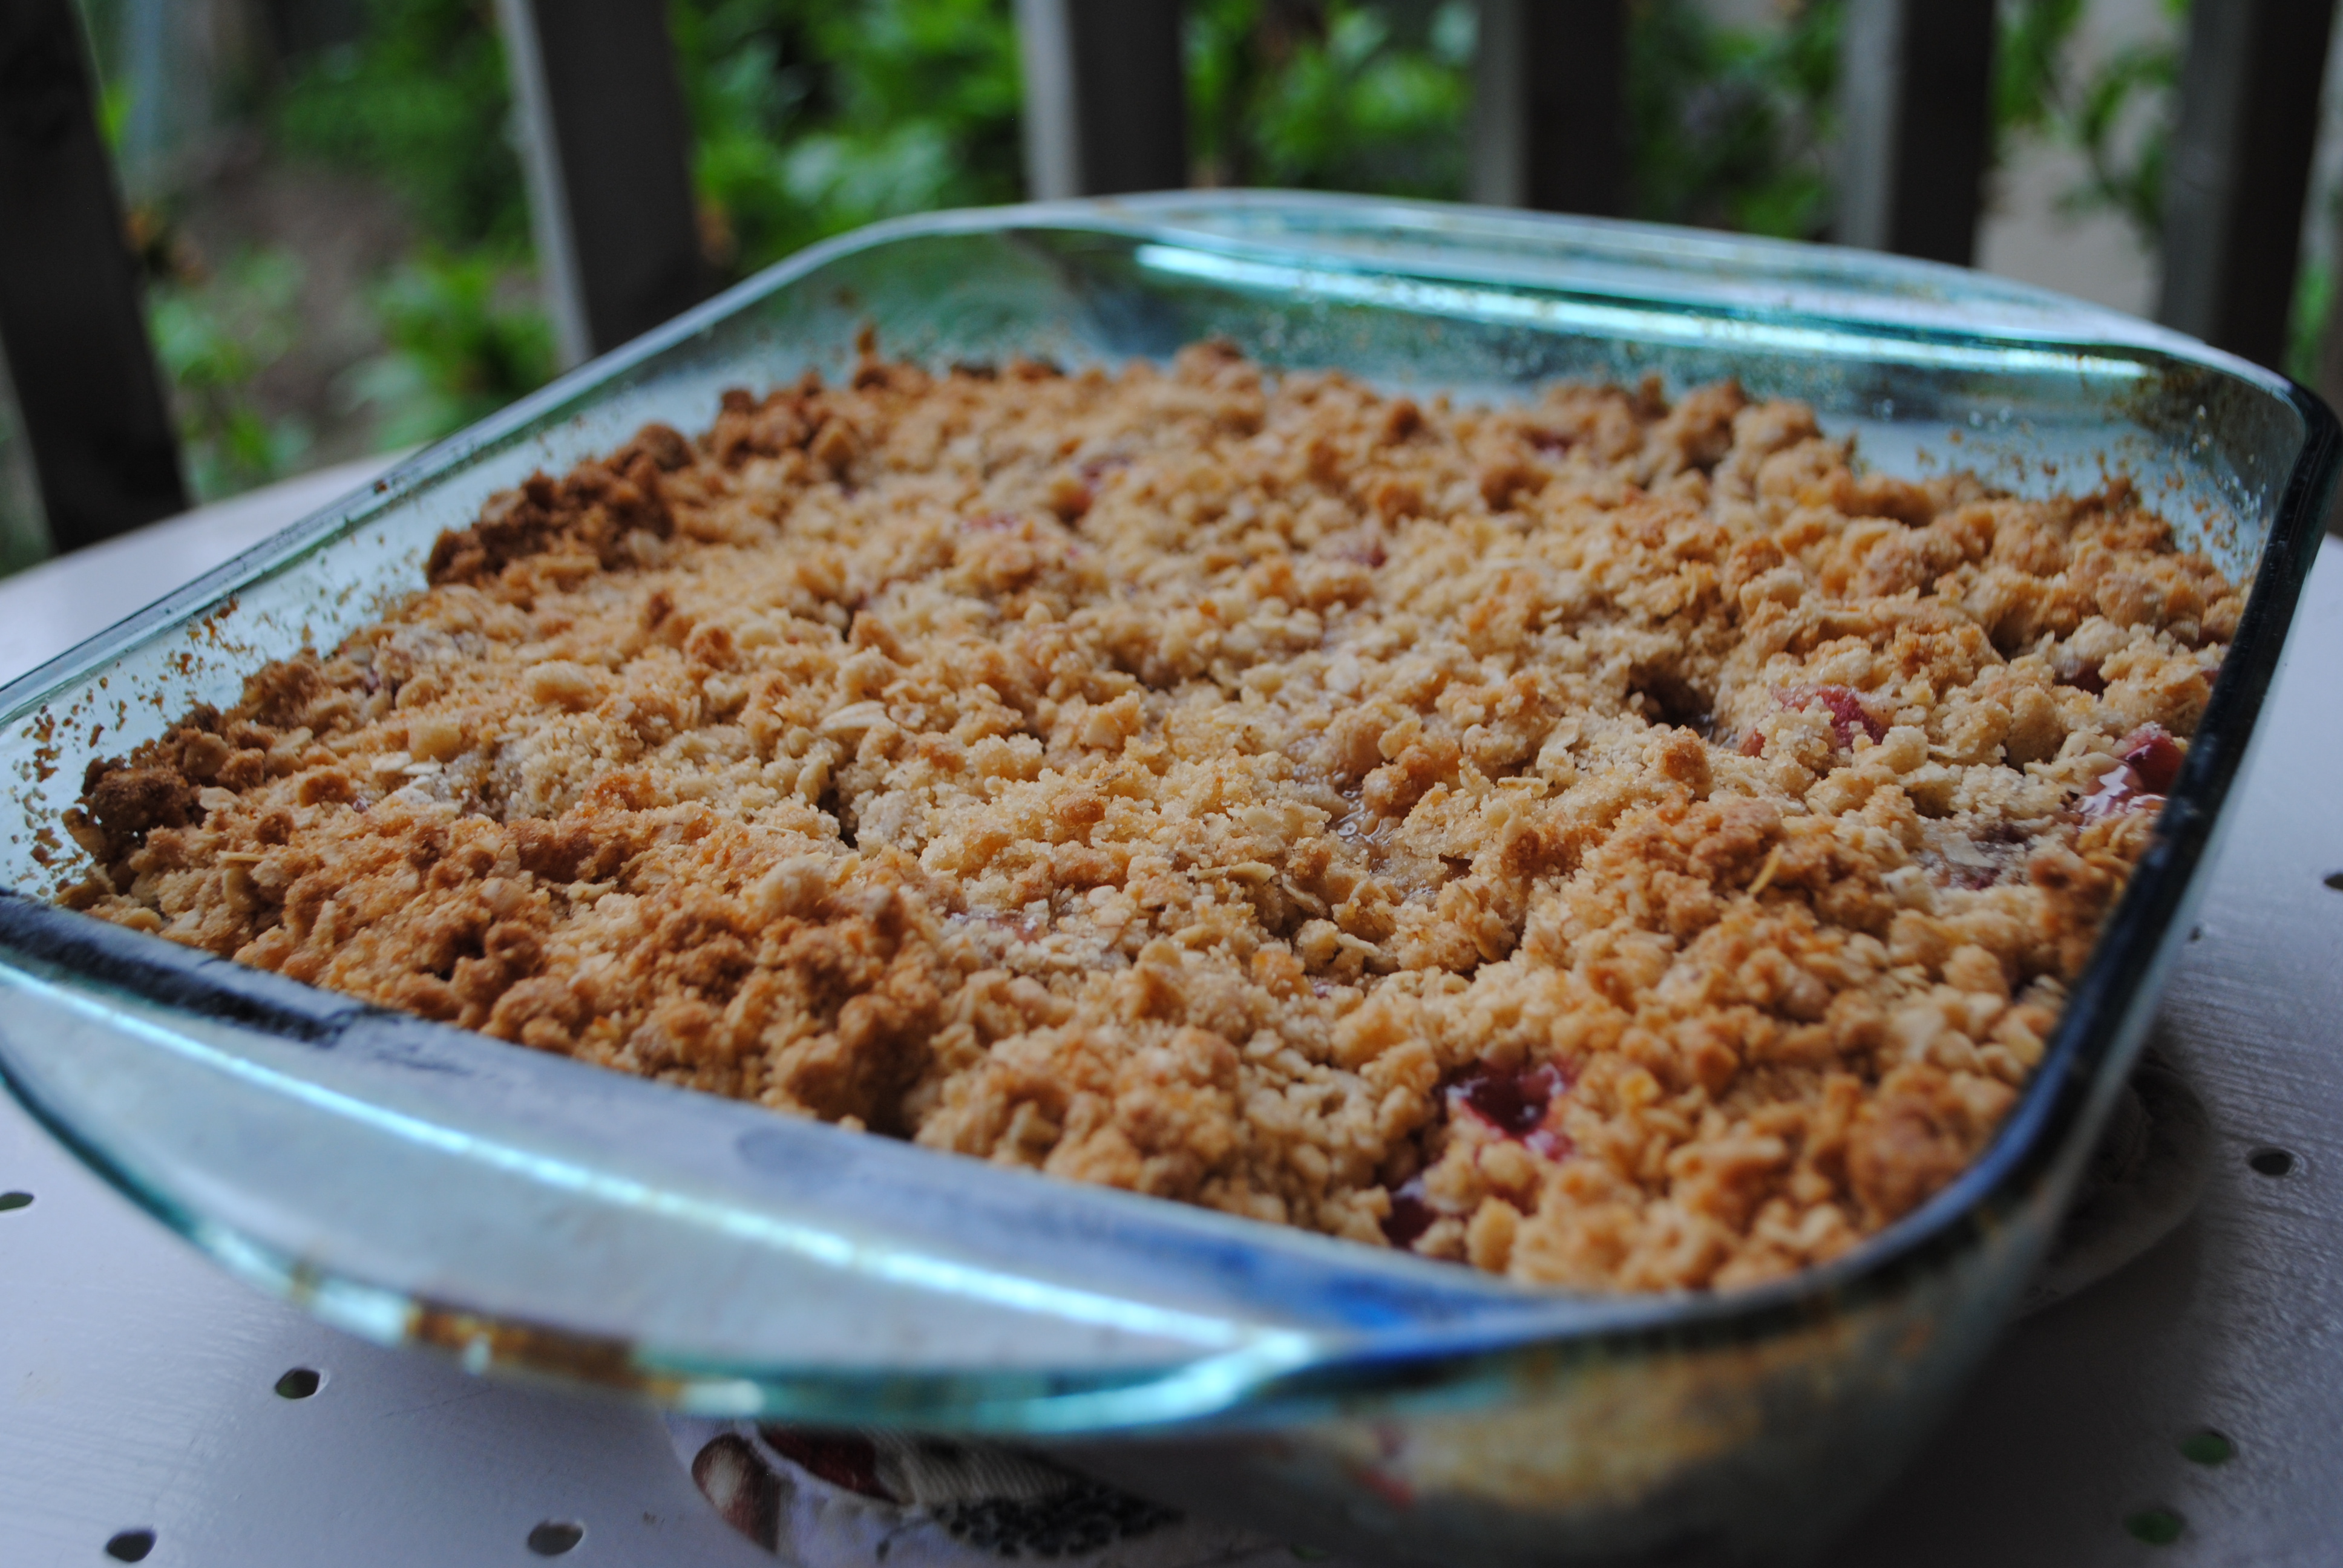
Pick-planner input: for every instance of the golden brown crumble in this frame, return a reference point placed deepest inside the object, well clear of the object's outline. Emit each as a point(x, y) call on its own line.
point(1616, 843)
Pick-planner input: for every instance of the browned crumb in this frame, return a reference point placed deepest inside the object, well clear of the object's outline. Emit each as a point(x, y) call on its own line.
point(1617, 844)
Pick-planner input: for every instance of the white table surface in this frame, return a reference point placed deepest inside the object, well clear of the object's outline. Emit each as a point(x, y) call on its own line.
point(136, 1380)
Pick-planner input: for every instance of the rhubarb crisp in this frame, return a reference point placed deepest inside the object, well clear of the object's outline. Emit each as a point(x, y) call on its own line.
point(1617, 842)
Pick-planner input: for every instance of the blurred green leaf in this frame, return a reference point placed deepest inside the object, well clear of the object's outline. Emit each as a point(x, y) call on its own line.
point(2123, 124)
point(113, 113)
point(2314, 300)
point(213, 339)
point(465, 339)
point(809, 119)
point(421, 101)
point(2029, 78)
point(1729, 126)
point(1338, 95)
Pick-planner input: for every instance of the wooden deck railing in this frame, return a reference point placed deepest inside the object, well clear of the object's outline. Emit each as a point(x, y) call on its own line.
point(2240, 164)
point(93, 413)
point(607, 154)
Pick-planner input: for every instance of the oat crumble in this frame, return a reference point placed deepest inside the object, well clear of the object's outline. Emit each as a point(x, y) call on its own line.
point(1616, 843)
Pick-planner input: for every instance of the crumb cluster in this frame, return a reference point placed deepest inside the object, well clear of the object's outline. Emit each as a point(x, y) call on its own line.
point(1616, 843)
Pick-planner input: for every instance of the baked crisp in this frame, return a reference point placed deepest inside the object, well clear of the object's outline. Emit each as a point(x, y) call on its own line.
point(1616, 843)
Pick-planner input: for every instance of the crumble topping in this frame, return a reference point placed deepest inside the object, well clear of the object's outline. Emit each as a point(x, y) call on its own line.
point(1613, 843)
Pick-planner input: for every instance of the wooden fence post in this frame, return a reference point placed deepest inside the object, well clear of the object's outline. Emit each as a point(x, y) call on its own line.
point(93, 411)
point(606, 149)
point(1549, 112)
point(2239, 164)
point(1106, 96)
point(1915, 124)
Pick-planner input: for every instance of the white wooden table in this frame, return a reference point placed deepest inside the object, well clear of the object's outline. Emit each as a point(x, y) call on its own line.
point(137, 1384)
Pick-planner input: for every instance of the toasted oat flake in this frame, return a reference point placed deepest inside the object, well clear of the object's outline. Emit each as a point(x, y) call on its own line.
point(1612, 842)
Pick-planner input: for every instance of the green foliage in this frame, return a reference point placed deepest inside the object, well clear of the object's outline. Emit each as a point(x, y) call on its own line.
point(2118, 114)
point(814, 116)
point(810, 119)
point(1727, 125)
point(464, 340)
point(214, 338)
point(2122, 119)
point(113, 115)
point(421, 102)
point(2305, 324)
point(2029, 68)
point(1343, 96)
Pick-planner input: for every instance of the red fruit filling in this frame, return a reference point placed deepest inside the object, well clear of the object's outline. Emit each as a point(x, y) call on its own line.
point(2155, 756)
point(1411, 1214)
point(2146, 769)
point(1514, 1100)
point(1847, 710)
point(2071, 668)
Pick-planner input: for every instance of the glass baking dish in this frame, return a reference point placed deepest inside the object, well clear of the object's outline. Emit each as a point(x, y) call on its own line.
point(416, 1183)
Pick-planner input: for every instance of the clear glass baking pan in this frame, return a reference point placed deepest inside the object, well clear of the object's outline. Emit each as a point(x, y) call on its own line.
point(413, 1183)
